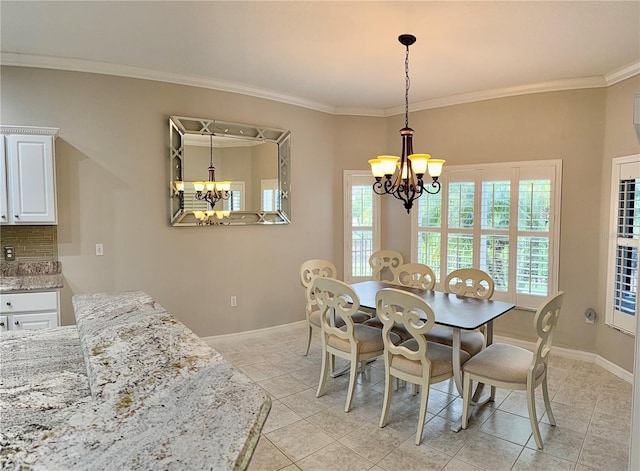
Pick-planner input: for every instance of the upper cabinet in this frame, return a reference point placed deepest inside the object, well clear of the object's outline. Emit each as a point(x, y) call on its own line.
point(27, 172)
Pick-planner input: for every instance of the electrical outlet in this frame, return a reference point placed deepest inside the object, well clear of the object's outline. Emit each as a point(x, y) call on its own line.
point(9, 254)
point(99, 249)
point(234, 301)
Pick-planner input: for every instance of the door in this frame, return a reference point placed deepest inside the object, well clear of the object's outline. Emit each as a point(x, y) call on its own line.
point(31, 179)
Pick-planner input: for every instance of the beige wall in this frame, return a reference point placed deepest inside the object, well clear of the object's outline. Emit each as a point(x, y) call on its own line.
point(113, 185)
point(112, 177)
point(619, 140)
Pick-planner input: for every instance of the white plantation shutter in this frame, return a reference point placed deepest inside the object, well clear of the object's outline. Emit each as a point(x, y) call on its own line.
point(361, 225)
point(624, 237)
point(501, 218)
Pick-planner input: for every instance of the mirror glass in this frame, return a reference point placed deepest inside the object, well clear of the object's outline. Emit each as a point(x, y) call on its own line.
point(252, 161)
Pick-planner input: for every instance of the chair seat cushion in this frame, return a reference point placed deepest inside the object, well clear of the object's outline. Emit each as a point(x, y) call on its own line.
point(359, 317)
point(502, 362)
point(441, 357)
point(399, 330)
point(315, 319)
point(369, 339)
point(471, 341)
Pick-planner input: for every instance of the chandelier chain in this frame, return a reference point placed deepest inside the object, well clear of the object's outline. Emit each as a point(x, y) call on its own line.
point(406, 89)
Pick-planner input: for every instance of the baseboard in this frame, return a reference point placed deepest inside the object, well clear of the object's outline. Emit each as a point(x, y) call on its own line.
point(249, 333)
point(560, 351)
point(573, 355)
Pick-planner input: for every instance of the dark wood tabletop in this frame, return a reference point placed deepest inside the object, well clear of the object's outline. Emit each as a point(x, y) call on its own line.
point(451, 310)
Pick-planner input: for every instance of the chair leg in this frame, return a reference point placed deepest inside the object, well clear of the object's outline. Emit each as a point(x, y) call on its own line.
point(547, 402)
point(533, 418)
point(424, 400)
point(492, 398)
point(466, 397)
point(353, 373)
point(387, 396)
point(323, 372)
point(333, 364)
point(306, 352)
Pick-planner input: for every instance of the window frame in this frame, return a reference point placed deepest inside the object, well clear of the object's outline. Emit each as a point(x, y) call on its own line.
point(479, 173)
point(622, 168)
point(352, 178)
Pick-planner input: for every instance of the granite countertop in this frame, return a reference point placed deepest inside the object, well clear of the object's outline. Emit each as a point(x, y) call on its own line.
point(30, 276)
point(152, 394)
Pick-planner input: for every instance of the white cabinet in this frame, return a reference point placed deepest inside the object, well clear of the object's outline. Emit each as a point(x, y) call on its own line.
point(28, 176)
point(22, 311)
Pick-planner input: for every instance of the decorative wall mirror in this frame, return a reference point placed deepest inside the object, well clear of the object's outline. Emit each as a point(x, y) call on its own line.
point(225, 173)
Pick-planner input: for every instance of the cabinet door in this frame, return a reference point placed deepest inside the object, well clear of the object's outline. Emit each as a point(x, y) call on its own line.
point(4, 195)
point(42, 320)
point(4, 324)
point(31, 179)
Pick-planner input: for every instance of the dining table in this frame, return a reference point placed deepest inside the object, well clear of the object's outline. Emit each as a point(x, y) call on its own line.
point(458, 312)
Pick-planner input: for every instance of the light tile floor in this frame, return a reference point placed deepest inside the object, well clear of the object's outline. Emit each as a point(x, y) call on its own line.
point(592, 409)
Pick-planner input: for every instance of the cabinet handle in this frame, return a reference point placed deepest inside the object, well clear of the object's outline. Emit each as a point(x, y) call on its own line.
point(16, 216)
point(8, 303)
point(4, 217)
point(17, 322)
point(1, 324)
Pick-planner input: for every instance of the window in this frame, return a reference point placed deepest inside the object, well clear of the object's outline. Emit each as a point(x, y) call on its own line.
point(624, 237)
point(361, 225)
point(269, 194)
point(501, 218)
point(236, 197)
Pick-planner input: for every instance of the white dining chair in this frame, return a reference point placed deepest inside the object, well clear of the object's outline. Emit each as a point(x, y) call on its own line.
point(310, 270)
point(469, 282)
point(354, 342)
point(416, 361)
point(510, 367)
point(414, 275)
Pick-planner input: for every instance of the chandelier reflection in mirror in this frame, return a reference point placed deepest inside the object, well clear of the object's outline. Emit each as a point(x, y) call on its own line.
point(216, 191)
point(402, 176)
point(212, 218)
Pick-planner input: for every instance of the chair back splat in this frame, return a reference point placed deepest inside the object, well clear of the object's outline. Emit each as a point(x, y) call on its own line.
point(470, 282)
point(415, 275)
point(384, 263)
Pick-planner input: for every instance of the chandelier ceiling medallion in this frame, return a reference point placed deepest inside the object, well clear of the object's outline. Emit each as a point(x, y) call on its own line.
point(402, 176)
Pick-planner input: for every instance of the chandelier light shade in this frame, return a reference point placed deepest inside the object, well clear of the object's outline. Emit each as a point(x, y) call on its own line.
point(403, 176)
point(215, 191)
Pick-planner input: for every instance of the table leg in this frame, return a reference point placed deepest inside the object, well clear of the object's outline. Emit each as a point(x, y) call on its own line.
point(457, 374)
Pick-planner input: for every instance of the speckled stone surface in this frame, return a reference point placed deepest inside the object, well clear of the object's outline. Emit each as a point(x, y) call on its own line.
point(30, 276)
point(160, 397)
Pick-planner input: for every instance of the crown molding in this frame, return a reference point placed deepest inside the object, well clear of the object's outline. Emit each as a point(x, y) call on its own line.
point(623, 73)
point(80, 65)
point(552, 86)
point(31, 130)
point(105, 68)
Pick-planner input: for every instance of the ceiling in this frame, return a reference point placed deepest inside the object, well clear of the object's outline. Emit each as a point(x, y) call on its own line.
point(337, 57)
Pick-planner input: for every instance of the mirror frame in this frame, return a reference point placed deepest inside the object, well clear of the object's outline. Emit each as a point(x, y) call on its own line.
point(179, 126)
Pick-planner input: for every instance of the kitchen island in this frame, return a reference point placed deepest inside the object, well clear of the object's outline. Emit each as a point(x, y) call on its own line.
point(129, 388)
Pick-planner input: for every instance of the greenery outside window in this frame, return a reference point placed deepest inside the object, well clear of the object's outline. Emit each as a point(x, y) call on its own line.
point(501, 218)
point(361, 225)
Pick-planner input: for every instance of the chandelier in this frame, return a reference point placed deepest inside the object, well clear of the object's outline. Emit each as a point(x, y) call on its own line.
point(216, 191)
point(409, 169)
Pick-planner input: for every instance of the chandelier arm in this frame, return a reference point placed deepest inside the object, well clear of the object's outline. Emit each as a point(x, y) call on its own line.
point(435, 185)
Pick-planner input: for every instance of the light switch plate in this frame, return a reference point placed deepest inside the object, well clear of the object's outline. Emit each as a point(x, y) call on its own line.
point(99, 249)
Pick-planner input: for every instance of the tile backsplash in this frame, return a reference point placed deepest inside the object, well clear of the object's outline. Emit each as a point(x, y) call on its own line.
point(30, 242)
